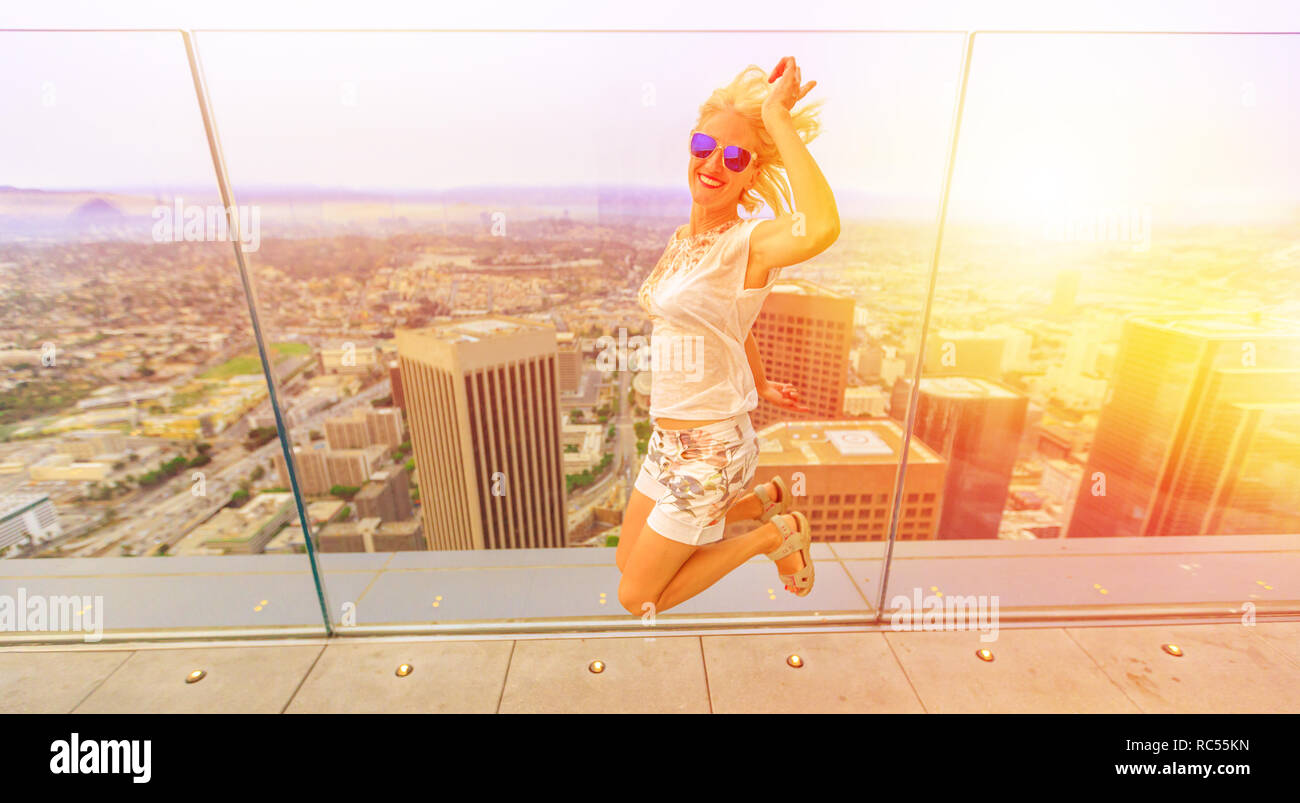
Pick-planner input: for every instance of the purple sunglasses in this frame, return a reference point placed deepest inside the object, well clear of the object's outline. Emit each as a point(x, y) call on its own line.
point(734, 157)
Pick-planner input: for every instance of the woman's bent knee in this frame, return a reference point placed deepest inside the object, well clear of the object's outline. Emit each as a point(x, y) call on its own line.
point(634, 599)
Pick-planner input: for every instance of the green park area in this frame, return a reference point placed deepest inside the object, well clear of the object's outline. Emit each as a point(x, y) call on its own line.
point(249, 363)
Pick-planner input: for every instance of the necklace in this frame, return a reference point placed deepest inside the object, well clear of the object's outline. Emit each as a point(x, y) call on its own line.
point(682, 252)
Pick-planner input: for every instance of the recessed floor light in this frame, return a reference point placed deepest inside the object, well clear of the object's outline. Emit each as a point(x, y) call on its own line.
point(195, 676)
point(1172, 649)
point(984, 655)
point(404, 670)
point(794, 661)
point(596, 667)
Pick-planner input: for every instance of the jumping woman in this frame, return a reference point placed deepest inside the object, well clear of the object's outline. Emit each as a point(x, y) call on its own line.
point(702, 298)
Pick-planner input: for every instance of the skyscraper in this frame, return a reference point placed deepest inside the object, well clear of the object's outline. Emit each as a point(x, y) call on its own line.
point(1214, 434)
point(975, 425)
point(1198, 411)
point(804, 333)
point(362, 428)
point(570, 362)
point(319, 470)
point(846, 470)
point(27, 518)
point(1256, 492)
point(482, 402)
point(395, 382)
point(387, 496)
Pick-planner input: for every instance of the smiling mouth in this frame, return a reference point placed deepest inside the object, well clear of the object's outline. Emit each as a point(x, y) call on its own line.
point(709, 181)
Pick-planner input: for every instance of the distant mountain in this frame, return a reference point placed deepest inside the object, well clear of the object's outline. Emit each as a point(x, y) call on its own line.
point(97, 210)
point(128, 211)
point(76, 214)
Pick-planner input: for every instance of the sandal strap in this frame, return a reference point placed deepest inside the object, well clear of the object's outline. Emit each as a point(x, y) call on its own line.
point(786, 532)
point(772, 507)
point(785, 492)
point(795, 540)
point(795, 579)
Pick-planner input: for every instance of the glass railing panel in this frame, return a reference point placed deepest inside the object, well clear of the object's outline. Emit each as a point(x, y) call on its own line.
point(136, 493)
point(1111, 375)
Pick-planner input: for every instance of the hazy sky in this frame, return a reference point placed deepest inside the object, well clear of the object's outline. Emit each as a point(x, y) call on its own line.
point(961, 15)
point(1202, 120)
point(1207, 124)
point(440, 110)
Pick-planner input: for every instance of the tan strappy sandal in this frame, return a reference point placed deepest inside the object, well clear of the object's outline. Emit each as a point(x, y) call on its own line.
point(771, 508)
point(800, 540)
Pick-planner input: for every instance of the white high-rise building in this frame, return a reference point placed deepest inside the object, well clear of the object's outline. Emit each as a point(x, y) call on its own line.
point(27, 518)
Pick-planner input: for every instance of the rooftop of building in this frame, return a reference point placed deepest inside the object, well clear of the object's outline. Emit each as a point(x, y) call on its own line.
point(359, 414)
point(965, 387)
point(1222, 325)
point(804, 287)
point(853, 441)
point(472, 330)
point(969, 335)
point(14, 504)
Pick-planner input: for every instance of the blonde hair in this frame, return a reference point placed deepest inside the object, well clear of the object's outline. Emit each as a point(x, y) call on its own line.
point(744, 96)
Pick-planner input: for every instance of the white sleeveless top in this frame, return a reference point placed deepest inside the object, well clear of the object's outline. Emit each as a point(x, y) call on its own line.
point(702, 314)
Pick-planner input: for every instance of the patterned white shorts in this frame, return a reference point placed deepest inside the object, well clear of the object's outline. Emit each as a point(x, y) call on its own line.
point(694, 476)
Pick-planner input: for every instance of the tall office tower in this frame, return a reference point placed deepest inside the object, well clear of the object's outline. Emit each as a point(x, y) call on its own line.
point(972, 354)
point(482, 401)
point(395, 382)
point(1261, 473)
point(386, 497)
point(1179, 441)
point(569, 361)
point(1219, 442)
point(804, 333)
point(1064, 293)
point(975, 425)
point(849, 468)
point(362, 427)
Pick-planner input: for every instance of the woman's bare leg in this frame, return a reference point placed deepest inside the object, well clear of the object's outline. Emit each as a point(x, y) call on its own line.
point(711, 562)
point(650, 566)
point(638, 508)
point(748, 506)
point(666, 573)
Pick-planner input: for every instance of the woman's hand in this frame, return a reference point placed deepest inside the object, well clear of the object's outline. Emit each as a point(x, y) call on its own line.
point(783, 395)
point(788, 90)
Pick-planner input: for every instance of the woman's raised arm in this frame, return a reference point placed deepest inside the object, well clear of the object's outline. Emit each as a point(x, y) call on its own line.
point(815, 223)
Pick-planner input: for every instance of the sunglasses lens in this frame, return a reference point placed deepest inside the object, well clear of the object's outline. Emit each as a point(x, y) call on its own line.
point(735, 158)
point(702, 145)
